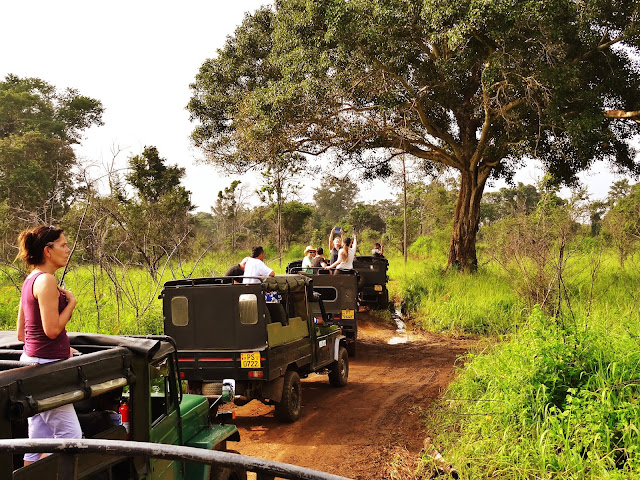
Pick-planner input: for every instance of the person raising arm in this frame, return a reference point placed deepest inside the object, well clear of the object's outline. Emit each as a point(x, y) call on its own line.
point(335, 244)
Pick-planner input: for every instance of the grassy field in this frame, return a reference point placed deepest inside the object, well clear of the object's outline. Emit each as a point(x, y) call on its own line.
point(126, 301)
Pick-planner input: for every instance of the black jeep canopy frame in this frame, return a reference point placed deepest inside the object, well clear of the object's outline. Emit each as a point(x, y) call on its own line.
point(264, 469)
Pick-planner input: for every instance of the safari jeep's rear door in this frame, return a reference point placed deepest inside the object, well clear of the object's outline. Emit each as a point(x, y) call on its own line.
point(215, 317)
point(214, 327)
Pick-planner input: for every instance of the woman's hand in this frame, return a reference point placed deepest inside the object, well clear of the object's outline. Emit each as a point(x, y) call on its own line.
point(47, 291)
point(71, 298)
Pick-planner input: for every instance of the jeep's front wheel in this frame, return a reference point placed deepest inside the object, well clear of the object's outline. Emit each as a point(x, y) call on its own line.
point(339, 370)
point(288, 408)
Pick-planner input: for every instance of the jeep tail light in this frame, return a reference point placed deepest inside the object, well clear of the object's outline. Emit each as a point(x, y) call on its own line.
point(256, 374)
point(181, 375)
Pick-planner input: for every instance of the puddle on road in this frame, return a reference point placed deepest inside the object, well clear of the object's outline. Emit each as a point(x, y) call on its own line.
point(401, 332)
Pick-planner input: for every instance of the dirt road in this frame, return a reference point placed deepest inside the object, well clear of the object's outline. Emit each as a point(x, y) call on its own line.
point(369, 429)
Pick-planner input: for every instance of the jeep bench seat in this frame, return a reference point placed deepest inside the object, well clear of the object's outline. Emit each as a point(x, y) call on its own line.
point(279, 334)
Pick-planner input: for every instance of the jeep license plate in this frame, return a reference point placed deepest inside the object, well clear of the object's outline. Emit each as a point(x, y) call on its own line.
point(378, 288)
point(347, 314)
point(250, 360)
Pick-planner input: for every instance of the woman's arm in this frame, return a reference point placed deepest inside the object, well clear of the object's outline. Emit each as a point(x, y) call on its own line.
point(46, 291)
point(20, 323)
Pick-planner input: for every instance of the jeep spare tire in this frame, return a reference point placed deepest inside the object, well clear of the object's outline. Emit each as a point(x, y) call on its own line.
point(288, 408)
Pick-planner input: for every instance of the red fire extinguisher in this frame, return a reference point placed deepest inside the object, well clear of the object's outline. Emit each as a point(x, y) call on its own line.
point(124, 414)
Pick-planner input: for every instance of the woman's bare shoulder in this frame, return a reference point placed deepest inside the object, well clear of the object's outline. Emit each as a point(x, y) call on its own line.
point(45, 281)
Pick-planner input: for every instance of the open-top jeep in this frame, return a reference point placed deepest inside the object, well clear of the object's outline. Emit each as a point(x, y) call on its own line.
point(372, 284)
point(264, 335)
point(339, 293)
point(141, 372)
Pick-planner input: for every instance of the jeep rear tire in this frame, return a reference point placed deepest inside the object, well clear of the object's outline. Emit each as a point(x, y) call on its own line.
point(288, 408)
point(339, 370)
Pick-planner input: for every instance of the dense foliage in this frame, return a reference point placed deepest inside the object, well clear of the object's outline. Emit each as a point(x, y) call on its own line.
point(558, 400)
point(38, 127)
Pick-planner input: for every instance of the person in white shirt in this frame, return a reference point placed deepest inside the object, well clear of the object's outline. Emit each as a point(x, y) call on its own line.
point(255, 266)
point(346, 255)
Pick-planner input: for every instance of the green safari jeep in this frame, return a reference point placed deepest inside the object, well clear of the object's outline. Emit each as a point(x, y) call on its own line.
point(141, 372)
point(265, 336)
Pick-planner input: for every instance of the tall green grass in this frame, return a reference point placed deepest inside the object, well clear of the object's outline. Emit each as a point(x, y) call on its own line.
point(441, 301)
point(552, 402)
point(132, 306)
point(553, 395)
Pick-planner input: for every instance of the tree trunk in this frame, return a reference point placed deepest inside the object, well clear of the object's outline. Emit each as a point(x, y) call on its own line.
point(404, 208)
point(279, 200)
point(462, 253)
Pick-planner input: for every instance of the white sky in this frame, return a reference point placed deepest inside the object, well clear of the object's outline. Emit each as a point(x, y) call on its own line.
point(138, 58)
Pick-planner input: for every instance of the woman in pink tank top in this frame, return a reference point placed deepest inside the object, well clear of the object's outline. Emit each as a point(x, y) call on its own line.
point(43, 314)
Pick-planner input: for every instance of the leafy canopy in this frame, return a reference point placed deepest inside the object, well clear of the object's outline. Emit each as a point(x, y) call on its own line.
point(38, 126)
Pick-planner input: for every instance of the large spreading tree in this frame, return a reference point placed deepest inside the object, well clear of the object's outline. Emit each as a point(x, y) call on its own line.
point(479, 86)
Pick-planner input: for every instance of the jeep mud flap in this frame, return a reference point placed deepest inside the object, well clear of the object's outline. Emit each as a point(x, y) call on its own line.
point(273, 389)
point(336, 346)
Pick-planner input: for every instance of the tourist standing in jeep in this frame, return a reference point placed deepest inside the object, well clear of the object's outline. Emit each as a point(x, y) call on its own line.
point(43, 313)
point(346, 255)
point(335, 243)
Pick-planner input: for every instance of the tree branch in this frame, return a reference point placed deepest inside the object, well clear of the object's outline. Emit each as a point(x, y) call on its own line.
point(430, 126)
point(599, 48)
point(623, 114)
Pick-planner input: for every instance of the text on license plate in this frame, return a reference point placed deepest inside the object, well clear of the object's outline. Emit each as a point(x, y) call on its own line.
point(347, 314)
point(250, 360)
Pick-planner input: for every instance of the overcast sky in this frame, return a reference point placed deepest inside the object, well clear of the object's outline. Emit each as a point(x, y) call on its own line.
point(138, 58)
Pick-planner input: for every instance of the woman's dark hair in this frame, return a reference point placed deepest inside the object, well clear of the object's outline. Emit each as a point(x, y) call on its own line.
point(320, 251)
point(347, 241)
point(31, 243)
point(256, 251)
